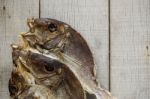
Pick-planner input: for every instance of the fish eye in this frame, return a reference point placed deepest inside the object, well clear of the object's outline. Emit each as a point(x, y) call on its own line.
point(52, 27)
point(49, 68)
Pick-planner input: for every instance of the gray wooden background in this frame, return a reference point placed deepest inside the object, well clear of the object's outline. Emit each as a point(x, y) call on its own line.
point(117, 31)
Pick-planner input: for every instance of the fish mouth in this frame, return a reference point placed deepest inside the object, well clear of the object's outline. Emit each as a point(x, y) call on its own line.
point(12, 90)
point(15, 91)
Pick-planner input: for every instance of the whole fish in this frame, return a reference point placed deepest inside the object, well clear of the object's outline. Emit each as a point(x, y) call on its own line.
point(58, 58)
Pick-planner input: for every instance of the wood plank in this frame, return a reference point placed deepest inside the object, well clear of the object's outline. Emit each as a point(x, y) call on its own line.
point(90, 18)
point(13, 15)
point(130, 49)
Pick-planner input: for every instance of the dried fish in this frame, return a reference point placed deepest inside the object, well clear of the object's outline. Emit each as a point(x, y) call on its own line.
point(54, 62)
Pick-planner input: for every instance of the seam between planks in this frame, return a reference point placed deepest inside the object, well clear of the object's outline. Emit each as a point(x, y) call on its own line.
point(39, 8)
point(109, 44)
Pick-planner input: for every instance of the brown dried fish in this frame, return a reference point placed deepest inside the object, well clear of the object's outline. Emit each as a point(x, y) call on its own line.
point(59, 59)
point(39, 77)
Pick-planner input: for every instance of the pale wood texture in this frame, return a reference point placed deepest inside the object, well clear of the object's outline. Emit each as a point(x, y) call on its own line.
point(90, 18)
point(13, 16)
point(130, 49)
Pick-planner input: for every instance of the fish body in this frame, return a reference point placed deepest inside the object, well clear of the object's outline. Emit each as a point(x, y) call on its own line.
point(54, 62)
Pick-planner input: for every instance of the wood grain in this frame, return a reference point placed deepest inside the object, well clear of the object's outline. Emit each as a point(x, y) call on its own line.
point(130, 49)
point(13, 15)
point(90, 18)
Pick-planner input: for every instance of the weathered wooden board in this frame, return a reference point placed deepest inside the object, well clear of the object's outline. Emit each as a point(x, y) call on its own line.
point(13, 15)
point(130, 49)
point(90, 18)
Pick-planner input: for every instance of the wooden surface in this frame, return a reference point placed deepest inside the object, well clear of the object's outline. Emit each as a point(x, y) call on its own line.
point(13, 15)
point(130, 49)
point(90, 18)
point(127, 37)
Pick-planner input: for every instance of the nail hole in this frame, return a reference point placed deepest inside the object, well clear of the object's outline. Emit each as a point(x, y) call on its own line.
point(147, 47)
point(4, 8)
